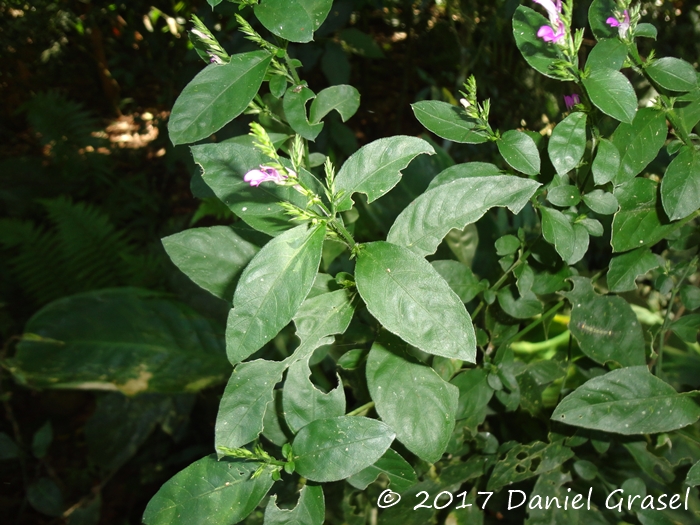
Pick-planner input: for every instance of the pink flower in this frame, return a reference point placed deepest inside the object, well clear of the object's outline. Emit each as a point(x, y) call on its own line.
point(548, 34)
point(556, 31)
point(571, 101)
point(622, 27)
point(264, 174)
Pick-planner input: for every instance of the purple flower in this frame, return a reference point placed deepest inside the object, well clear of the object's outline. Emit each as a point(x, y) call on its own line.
point(556, 31)
point(622, 27)
point(571, 101)
point(264, 174)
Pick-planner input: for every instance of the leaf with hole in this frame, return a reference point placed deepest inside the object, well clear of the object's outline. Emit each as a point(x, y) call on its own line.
point(344, 99)
point(526, 461)
point(625, 268)
point(398, 471)
point(309, 510)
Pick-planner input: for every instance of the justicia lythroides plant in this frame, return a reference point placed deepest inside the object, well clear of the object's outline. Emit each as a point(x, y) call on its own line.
point(438, 380)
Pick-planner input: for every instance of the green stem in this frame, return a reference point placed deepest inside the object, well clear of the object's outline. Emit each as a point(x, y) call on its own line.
point(292, 69)
point(497, 285)
point(541, 319)
point(360, 410)
point(526, 347)
point(340, 230)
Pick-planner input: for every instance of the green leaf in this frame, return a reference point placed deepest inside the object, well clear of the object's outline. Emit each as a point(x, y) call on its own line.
point(336, 448)
point(474, 396)
point(448, 122)
point(598, 13)
point(646, 31)
point(690, 295)
point(526, 461)
point(460, 278)
point(44, 496)
point(627, 401)
point(271, 289)
point(274, 428)
point(224, 166)
point(520, 151)
point(422, 226)
point(463, 171)
point(319, 317)
point(42, 440)
point(601, 202)
point(278, 86)
point(294, 103)
point(687, 327)
point(406, 295)
point(680, 187)
point(639, 142)
point(411, 398)
point(304, 403)
point(673, 74)
point(242, 408)
point(212, 257)
point(610, 53)
point(217, 95)
point(538, 53)
point(123, 339)
point(581, 240)
point(657, 468)
point(687, 108)
point(639, 221)
point(8, 448)
point(693, 476)
point(612, 93)
point(376, 168)
point(626, 267)
point(524, 307)
point(343, 99)
point(309, 510)
point(507, 245)
point(557, 230)
point(294, 20)
point(397, 470)
point(605, 327)
point(210, 492)
point(564, 196)
point(568, 142)
point(606, 163)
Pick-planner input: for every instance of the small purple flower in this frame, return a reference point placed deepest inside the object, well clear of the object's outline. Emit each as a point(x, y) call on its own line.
point(571, 101)
point(622, 27)
point(264, 174)
point(548, 34)
point(556, 31)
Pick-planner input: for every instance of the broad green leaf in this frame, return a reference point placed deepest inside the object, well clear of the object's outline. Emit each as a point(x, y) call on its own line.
point(278, 86)
point(406, 514)
point(411, 398)
point(638, 223)
point(656, 467)
point(612, 93)
point(557, 230)
point(646, 31)
point(507, 245)
point(124, 339)
point(598, 13)
point(44, 496)
point(474, 396)
point(693, 476)
point(627, 401)
point(673, 74)
point(304, 403)
point(336, 448)
point(212, 257)
point(405, 293)
point(376, 168)
point(687, 327)
point(463, 171)
point(422, 225)
point(294, 20)
point(242, 407)
point(217, 95)
point(209, 492)
point(271, 289)
point(568, 142)
point(309, 510)
point(593, 227)
point(581, 240)
point(274, 428)
point(294, 103)
point(42, 439)
point(534, 380)
point(460, 278)
point(564, 196)
point(687, 108)
point(639, 142)
point(523, 307)
point(680, 187)
point(448, 122)
point(606, 163)
point(319, 317)
point(538, 53)
point(626, 267)
point(601, 202)
point(224, 166)
point(397, 470)
point(344, 99)
point(520, 151)
point(610, 53)
point(526, 461)
point(690, 295)
point(605, 327)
